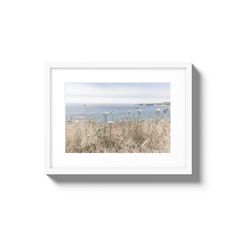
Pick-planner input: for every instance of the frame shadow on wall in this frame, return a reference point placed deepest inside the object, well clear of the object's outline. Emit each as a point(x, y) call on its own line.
point(196, 177)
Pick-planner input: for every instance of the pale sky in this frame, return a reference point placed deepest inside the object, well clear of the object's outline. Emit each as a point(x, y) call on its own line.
point(117, 92)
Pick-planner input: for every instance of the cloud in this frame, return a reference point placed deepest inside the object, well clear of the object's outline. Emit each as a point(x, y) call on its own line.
point(117, 92)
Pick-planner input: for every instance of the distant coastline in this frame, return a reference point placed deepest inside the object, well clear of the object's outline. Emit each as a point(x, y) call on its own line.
point(155, 104)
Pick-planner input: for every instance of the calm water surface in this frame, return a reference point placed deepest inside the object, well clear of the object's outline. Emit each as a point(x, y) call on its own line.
point(116, 112)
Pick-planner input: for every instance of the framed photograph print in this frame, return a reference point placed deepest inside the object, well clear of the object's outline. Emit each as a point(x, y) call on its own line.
point(119, 118)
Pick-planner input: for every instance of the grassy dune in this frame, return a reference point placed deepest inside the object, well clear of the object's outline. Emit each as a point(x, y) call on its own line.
point(89, 136)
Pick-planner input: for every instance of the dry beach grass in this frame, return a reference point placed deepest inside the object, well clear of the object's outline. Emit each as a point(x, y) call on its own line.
point(146, 136)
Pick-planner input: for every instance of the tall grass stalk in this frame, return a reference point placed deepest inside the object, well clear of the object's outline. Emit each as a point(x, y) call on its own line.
point(123, 137)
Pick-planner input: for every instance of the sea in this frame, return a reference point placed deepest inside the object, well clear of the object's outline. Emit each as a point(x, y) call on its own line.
point(116, 112)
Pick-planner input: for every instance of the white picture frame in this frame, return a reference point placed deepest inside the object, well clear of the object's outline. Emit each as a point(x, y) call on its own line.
point(179, 163)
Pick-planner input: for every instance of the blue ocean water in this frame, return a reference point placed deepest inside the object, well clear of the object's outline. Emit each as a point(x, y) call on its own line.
point(116, 112)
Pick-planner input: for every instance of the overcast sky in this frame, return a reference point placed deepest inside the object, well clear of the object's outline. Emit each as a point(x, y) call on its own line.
point(117, 92)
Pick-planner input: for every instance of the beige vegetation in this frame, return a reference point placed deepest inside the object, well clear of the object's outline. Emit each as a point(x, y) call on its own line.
point(88, 136)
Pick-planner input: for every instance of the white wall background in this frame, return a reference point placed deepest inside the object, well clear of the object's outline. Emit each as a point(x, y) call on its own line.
point(35, 32)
